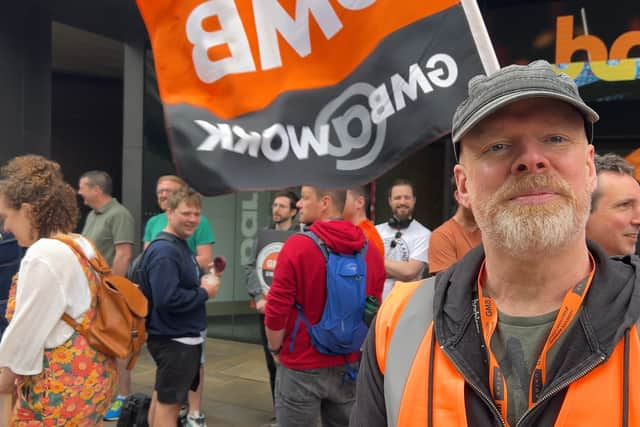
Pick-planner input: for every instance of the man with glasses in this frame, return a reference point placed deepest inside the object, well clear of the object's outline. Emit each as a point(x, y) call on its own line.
point(201, 242)
point(260, 270)
point(406, 241)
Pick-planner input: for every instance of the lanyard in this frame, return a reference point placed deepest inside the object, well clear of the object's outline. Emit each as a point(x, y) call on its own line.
point(489, 320)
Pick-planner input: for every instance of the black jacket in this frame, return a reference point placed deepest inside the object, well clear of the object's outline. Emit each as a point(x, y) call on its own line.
point(10, 256)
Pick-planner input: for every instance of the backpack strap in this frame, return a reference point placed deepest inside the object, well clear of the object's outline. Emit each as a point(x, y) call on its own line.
point(98, 265)
point(323, 246)
point(167, 237)
point(301, 317)
point(319, 242)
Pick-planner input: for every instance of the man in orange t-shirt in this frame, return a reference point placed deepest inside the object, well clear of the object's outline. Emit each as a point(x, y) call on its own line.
point(354, 212)
point(453, 239)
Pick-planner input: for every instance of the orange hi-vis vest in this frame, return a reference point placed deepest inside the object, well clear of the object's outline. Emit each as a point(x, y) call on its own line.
point(424, 387)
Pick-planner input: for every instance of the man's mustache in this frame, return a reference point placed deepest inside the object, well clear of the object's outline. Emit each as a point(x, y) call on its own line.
point(532, 183)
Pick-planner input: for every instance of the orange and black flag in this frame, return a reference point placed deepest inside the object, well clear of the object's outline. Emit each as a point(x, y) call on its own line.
point(263, 94)
point(634, 159)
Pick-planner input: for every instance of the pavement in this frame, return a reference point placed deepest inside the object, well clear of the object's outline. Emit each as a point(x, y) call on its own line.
point(236, 384)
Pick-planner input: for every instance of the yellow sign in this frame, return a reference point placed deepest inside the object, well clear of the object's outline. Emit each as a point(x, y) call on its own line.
point(612, 65)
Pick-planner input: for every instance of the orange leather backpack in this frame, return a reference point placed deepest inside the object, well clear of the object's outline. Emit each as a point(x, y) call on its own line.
point(118, 328)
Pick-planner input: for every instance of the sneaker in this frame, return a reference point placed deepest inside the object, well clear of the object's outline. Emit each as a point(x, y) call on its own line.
point(272, 423)
point(196, 420)
point(114, 411)
point(182, 415)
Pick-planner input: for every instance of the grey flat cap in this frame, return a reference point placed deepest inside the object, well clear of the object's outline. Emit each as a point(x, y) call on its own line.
point(487, 94)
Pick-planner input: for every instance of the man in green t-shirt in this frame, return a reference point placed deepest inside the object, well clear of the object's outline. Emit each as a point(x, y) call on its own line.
point(201, 243)
point(110, 226)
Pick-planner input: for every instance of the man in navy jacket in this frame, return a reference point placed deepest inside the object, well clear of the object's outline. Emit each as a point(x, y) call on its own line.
point(177, 296)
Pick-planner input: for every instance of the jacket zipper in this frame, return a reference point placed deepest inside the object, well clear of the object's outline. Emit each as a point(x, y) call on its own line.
point(489, 401)
point(560, 387)
point(545, 397)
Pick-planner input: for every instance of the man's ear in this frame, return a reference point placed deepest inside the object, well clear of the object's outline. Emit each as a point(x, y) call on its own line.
point(326, 201)
point(460, 174)
point(456, 196)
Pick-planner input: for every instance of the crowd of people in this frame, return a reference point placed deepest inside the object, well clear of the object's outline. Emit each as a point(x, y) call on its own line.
point(37, 206)
point(515, 311)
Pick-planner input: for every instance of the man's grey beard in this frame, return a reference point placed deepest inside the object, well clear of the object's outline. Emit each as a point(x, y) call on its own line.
point(522, 229)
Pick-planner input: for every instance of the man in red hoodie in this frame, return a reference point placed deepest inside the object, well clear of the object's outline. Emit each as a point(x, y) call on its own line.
point(308, 383)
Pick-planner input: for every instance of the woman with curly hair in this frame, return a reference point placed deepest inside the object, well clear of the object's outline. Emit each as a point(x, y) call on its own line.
point(59, 380)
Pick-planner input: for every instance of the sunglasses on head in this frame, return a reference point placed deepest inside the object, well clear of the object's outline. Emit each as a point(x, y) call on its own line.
point(394, 242)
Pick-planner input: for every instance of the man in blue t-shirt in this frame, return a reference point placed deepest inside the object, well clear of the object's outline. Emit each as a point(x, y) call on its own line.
point(177, 314)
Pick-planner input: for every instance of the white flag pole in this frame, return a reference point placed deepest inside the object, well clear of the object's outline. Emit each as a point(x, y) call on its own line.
point(480, 36)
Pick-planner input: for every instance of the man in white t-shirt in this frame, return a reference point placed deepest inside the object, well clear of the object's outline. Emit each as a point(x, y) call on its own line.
point(406, 241)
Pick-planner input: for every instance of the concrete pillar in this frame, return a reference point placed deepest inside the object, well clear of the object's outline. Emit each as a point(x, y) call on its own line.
point(132, 126)
point(25, 73)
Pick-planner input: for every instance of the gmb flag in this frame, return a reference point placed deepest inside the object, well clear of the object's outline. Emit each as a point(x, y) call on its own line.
point(263, 94)
point(634, 159)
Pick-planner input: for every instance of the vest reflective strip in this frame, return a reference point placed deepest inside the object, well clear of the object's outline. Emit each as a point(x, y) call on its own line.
point(405, 370)
point(413, 325)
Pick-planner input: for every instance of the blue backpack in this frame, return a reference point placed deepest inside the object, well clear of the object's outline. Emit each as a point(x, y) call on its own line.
point(341, 329)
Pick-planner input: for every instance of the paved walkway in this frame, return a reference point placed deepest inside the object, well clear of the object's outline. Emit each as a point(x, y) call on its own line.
point(236, 385)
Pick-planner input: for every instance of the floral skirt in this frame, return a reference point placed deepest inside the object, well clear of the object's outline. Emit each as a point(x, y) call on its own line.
point(75, 388)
